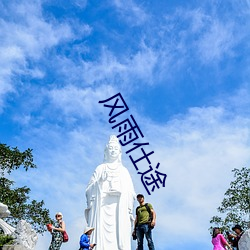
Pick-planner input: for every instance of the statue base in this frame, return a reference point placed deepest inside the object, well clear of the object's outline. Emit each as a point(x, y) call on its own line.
point(12, 247)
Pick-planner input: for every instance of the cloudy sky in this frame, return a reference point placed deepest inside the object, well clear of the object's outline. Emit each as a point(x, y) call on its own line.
point(181, 66)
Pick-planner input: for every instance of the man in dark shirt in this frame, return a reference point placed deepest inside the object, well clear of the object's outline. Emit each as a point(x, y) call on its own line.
point(238, 230)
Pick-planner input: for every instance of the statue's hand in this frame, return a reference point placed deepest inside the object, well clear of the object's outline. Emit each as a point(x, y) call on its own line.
point(90, 204)
point(90, 201)
point(132, 217)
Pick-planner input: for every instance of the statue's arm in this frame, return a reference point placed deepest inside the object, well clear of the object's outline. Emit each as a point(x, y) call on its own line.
point(93, 186)
point(131, 192)
point(90, 194)
point(135, 223)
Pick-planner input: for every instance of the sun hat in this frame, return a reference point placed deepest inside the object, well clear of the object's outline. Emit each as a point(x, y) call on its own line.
point(87, 229)
point(59, 213)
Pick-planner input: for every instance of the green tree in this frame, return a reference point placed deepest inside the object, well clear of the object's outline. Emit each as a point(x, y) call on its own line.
point(17, 199)
point(235, 207)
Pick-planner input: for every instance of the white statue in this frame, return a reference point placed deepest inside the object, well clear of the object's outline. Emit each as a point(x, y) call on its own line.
point(25, 235)
point(110, 197)
point(244, 242)
point(4, 212)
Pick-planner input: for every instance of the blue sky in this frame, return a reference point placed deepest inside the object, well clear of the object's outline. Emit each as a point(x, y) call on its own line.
point(182, 68)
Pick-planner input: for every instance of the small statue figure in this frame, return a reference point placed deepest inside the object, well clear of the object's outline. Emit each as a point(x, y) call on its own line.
point(23, 234)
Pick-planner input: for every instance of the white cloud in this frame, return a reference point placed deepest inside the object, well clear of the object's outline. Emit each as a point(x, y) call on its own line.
point(105, 69)
point(143, 63)
point(198, 19)
point(201, 34)
point(25, 35)
point(240, 101)
point(31, 33)
point(131, 12)
point(121, 71)
point(217, 42)
point(80, 3)
point(80, 102)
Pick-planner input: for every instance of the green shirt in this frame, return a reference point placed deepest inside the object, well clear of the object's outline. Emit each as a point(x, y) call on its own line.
point(142, 214)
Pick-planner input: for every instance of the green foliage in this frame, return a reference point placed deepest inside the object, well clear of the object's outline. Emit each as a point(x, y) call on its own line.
point(11, 159)
point(17, 199)
point(6, 240)
point(235, 206)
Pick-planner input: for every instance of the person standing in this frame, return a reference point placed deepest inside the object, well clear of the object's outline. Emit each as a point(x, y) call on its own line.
point(56, 231)
point(85, 239)
point(142, 226)
point(239, 231)
point(218, 240)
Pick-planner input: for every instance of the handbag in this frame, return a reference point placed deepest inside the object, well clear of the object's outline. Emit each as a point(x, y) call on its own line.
point(65, 236)
point(49, 227)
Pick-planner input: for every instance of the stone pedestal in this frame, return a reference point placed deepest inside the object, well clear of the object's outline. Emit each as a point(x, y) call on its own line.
point(13, 247)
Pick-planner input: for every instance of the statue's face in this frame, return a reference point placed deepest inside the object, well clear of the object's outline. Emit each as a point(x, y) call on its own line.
point(113, 150)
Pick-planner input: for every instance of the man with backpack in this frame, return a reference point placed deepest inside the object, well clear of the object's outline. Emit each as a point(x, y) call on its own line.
point(144, 223)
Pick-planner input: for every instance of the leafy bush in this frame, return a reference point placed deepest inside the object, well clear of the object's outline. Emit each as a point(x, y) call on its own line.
point(6, 240)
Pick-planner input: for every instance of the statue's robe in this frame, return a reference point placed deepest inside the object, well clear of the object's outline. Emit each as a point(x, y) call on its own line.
point(110, 198)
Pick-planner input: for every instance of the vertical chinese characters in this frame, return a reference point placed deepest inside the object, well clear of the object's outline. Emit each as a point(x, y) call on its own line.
point(128, 132)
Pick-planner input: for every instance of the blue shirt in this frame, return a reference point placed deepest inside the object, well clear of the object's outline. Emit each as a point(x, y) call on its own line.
point(84, 242)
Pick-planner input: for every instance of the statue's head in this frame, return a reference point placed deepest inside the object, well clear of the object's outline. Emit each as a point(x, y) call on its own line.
point(4, 211)
point(112, 150)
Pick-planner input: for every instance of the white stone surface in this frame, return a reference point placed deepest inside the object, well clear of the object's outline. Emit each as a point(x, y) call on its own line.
point(7, 229)
point(244, 242)
point(4, 212)
point(110, 197)
point(25, 235)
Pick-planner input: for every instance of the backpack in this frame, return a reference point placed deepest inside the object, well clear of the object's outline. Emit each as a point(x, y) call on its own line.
point(150, 218)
